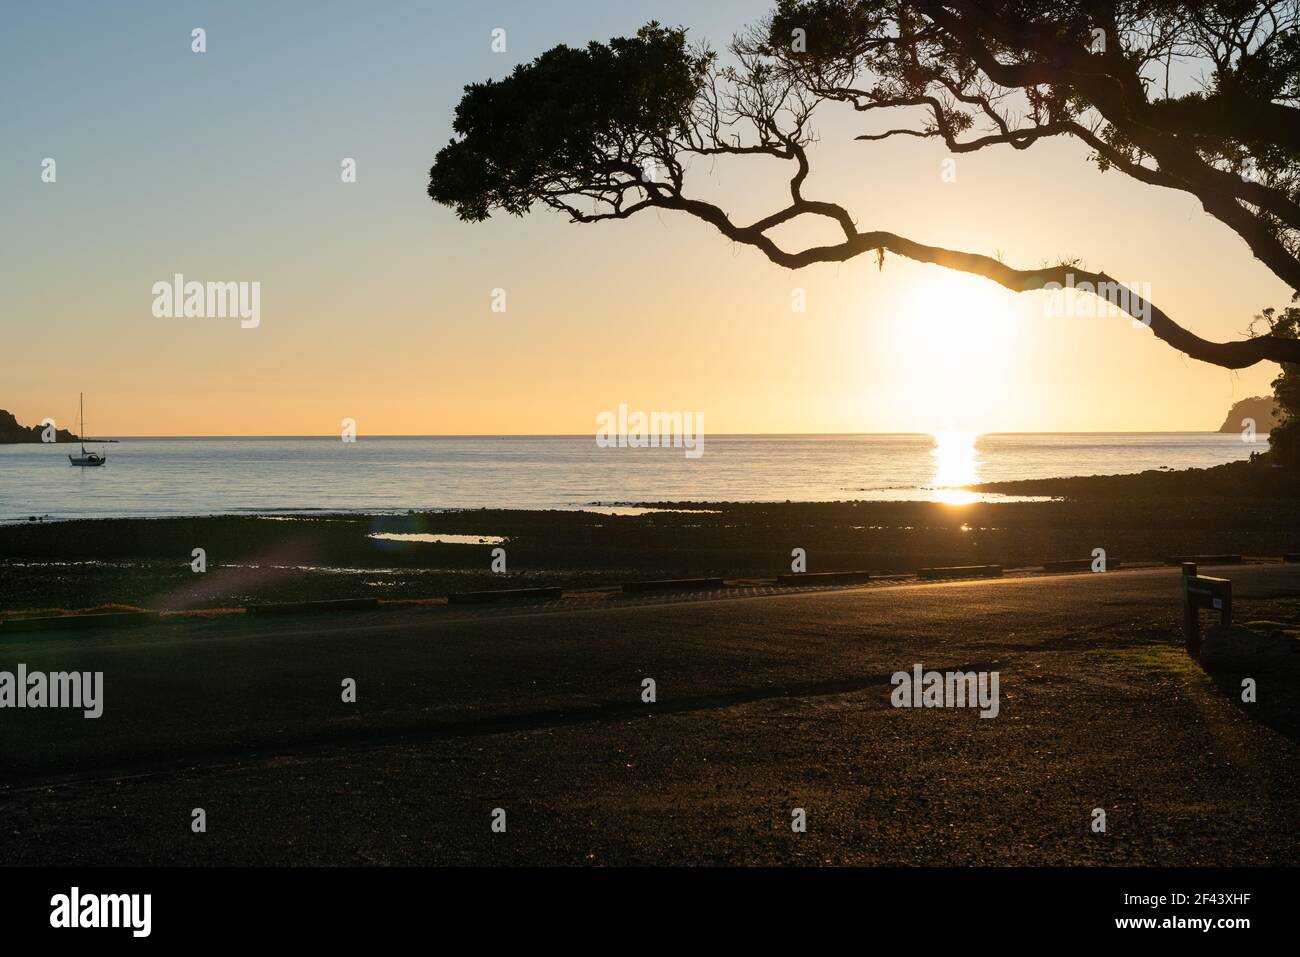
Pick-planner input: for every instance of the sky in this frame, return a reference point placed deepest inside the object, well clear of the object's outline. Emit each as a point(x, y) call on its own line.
point(376, 304)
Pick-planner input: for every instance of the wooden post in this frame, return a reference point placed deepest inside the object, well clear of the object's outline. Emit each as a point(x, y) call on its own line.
point(1202, 591)
point(1191, 627)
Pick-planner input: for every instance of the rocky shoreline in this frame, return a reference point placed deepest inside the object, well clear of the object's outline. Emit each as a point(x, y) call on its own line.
point(147, 563)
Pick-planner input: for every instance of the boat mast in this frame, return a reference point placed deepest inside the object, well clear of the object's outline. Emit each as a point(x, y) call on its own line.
point(81, 426)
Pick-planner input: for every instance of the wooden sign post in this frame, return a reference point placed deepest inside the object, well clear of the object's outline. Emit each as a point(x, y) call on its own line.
point(1201, 591)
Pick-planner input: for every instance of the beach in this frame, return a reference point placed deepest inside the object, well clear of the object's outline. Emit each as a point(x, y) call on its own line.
point(769, 694)
point(147, 563)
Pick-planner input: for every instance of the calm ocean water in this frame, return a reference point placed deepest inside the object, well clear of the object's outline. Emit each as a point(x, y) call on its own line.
point(155, 477)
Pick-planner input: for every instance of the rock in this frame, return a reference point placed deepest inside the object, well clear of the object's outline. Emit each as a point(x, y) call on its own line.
point(1238, 649)
point(11, 432)
point(1261, 408)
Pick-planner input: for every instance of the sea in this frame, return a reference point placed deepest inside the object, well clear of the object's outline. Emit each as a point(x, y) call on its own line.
point(153, 477)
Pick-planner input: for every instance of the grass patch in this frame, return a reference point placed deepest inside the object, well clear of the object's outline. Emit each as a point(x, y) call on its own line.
point(1162, 661)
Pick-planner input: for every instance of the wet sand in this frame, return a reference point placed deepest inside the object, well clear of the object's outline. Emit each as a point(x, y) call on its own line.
point(146, 563)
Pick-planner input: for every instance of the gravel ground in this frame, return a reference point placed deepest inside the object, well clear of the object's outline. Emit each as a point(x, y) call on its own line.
point(765, 704)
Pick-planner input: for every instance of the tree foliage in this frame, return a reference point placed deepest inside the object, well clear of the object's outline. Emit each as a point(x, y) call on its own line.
point(1199, 97)
point(1284, 438)
point(572, 123)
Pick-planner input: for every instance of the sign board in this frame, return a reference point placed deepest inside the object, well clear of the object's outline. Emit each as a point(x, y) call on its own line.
point(1202, 591)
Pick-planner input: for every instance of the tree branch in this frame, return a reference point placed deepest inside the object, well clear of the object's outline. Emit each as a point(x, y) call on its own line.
point(1230, 355)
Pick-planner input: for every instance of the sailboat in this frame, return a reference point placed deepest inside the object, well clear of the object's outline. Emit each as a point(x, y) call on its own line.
point(85, 458)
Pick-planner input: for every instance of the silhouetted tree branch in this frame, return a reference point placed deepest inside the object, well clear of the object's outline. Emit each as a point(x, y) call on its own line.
point(607, 131)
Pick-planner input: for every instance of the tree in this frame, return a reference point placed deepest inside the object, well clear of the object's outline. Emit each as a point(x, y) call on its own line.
point(605, 132)
point(1284, 438)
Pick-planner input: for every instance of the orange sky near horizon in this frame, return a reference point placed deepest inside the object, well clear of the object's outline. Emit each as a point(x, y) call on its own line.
point(376, 305)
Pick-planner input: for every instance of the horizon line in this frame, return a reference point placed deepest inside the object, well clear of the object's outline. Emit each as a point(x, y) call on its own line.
point(718, 435)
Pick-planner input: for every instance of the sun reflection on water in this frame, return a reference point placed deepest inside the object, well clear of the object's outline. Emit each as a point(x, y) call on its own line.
point(956, 463)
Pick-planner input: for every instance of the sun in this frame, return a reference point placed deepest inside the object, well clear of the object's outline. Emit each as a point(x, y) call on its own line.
point(956, 319)
point(952, 341)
